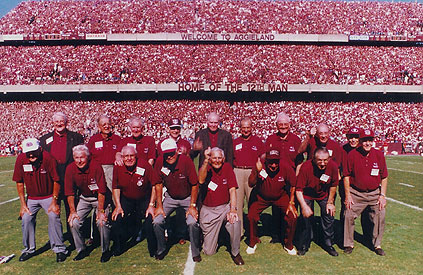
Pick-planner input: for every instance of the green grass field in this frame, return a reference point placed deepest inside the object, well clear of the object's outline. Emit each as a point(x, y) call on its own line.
point(403, 241)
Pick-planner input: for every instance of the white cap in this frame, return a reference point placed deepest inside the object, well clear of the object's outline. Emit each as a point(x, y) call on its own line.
point(30, 144)
point(168, 145)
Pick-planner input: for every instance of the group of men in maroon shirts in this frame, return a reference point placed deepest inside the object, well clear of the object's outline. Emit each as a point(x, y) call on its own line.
point(129, 180)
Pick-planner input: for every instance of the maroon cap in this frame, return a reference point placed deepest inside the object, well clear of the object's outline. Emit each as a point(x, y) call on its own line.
point(174, 122)
point(353, 131)
point(272, 154)
point(367, 134)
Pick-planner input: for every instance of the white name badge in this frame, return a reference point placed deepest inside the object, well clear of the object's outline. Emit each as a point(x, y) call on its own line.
point(28, 168)
point(375, 172)
point(140, 171)
point(93, 187)
point(212, 186)
point(238, 146)
point(263, 173)
point(330, 152)
point(49, 140)
point(98, 144)
point(132, 145)
point(165, 171)
point(324, 178)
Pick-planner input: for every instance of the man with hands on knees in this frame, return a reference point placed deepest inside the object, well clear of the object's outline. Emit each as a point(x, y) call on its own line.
point(317, 181)
point(178, 175)
point(366, 181)
point(35, 171)
point(269, 188)
point(135, 197)
point(218, 191)
point(87, 177)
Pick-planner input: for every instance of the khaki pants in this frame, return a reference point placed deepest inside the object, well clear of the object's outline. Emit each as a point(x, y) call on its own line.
point(377, 217)
point(242, 192)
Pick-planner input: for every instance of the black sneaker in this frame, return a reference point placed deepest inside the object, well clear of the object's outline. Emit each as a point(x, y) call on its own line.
point(331, 251)
point(81, 255)
point(61, 257)
point(160, 256)
point(105, 257)
point(25, 256)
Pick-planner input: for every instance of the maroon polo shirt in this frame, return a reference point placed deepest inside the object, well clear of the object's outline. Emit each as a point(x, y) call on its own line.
point(225, 180)
point(315, 183)
point(272, 188)
point(366, 171)
point(246, 152)
point(89, 181)
point(135, 183)
point(288, 147)
point(213, 138)
point(178, 178)
point(183, 146)
point(39, 181)
point(103, 150)
point(335, 151)
point(145, 145)
point(58, 147)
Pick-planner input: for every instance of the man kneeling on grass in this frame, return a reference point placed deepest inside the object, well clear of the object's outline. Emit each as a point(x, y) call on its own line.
point(219, 203)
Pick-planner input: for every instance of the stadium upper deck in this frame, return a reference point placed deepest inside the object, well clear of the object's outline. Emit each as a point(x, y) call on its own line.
point(231, 16)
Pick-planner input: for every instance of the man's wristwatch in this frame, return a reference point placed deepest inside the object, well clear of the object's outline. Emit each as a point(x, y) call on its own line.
point(193, 204)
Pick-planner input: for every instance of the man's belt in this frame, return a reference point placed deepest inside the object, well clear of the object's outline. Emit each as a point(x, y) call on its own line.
point(364, 190)
point(243, 167)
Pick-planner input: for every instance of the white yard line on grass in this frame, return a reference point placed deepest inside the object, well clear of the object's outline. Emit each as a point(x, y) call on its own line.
point(7, 171)
point(15, 199)
point(190, 264)
point(414, 172)
point(405, 204)
point(408, 185)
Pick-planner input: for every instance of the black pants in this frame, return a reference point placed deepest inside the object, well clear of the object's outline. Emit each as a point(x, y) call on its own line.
point(128, 226)
point(305, 226)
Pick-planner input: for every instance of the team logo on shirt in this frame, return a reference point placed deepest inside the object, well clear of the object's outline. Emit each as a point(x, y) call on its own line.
point(254, 148)
point(42, 171)
point(114, 147)
point(139, 183)
point(375, 165)
point(291, 149)
point(145, 150)
point(182, 176)
point(281, 179)
point(225, 181)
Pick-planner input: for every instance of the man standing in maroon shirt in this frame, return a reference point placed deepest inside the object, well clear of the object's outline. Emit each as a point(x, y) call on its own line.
point(59, 144)
point(320, 137)
point(144, 145)
point(86, 176)
point(135, 199)
point(184, 147)
point(247, 149)
point(178, 175)
point(287, 144)
point(211, 137)
point(219, 203)
point(317, 181)
point(269, 189)
point(366, 181)
point(104, 146)
point(35, 170)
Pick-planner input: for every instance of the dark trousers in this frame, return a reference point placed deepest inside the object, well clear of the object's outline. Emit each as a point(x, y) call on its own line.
point(128, 226)
point(258, 204)
point(327, 222)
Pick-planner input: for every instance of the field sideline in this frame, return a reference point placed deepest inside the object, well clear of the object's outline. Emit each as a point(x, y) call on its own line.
point(403, 240)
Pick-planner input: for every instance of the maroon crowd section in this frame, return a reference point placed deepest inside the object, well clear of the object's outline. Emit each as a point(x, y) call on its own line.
point(180, 63)
point(392, 122)
point(153, 16)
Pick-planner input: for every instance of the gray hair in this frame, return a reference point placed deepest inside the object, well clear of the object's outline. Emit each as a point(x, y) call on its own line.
point(60, 114)
point(217, 149)
point(128, 147)
point(81, 148)
point(103, 116)
point(134, 118)
point(213, 114)
point(283, 117)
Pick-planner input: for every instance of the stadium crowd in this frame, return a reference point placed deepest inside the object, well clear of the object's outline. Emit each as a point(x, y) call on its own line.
point(148, 16)
point(392, 122)
point(292, 64)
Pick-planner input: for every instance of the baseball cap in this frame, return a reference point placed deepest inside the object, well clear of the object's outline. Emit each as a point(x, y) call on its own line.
point(30, 144)
point(272, 154)
point(174, 122)
point(168, 145)
point(366, 134)
point(353, 131)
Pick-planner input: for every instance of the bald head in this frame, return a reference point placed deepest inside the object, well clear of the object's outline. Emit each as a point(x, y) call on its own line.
point(213, 121)
point(322, 132)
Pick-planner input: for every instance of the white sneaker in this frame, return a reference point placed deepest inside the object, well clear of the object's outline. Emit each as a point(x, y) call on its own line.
point(292, 251)
point(251, 250)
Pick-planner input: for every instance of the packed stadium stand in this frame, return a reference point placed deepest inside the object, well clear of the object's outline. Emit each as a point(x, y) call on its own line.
point(232, 16)
point(206, 63)
point(392, 122)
